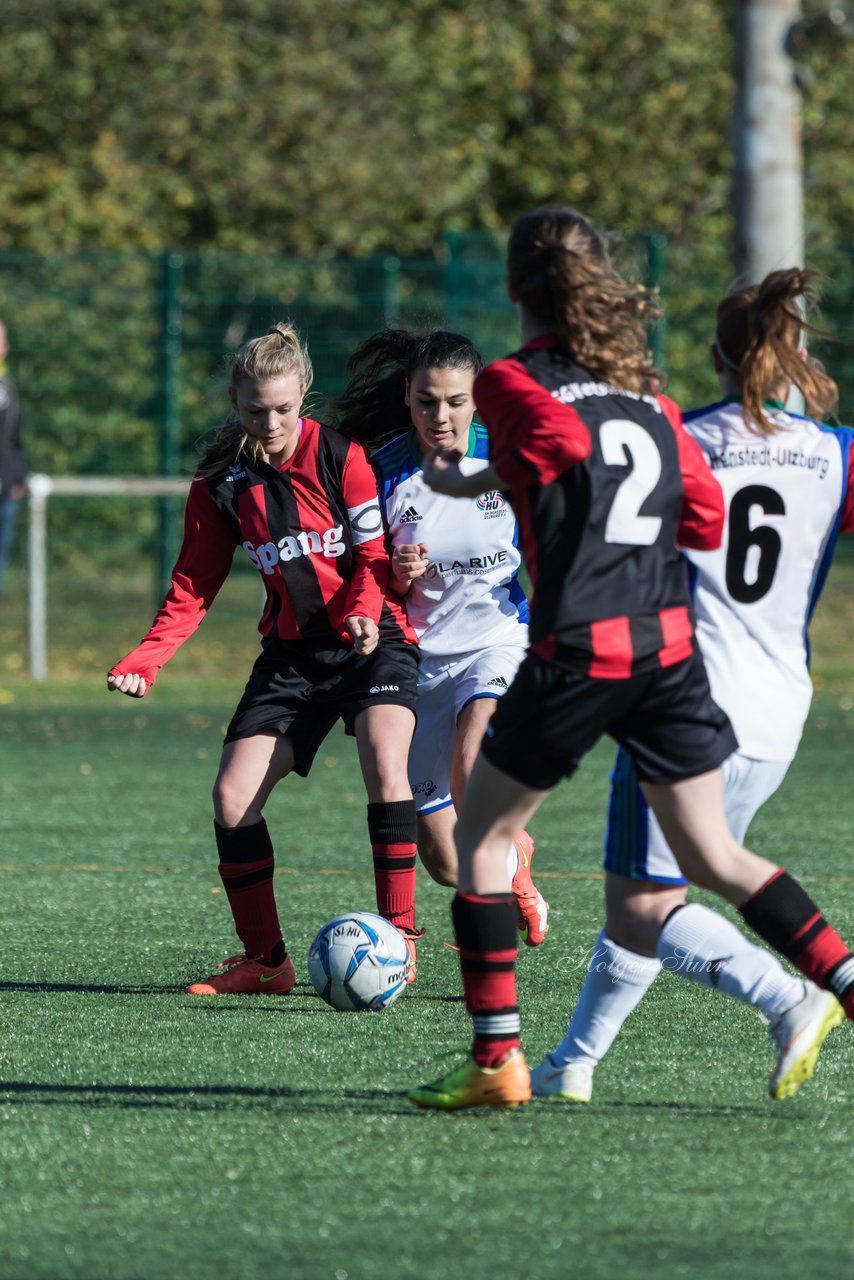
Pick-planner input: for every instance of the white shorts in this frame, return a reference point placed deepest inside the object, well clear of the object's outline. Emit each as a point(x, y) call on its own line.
point(445, 686)
point(634, 843)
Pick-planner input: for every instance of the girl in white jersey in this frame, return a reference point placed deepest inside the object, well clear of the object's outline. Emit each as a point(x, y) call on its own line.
point(456, 566)
point(789, 488)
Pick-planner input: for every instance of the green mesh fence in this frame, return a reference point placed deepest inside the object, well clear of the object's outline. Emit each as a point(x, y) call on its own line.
point(121, 359)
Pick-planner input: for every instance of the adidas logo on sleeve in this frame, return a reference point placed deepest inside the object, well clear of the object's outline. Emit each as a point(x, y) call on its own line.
point(410, 516)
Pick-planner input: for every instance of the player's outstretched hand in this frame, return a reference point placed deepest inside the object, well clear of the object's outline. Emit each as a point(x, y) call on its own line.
point(365, 633)
point(410, 562)
point(134, 686)
point(442, 473)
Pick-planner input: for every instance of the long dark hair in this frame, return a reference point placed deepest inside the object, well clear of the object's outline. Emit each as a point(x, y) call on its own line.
point(759, 335)
point(559, 269)
point(372, 408)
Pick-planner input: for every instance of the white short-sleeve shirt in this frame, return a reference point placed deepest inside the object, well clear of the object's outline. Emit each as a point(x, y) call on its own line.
point(470, 598)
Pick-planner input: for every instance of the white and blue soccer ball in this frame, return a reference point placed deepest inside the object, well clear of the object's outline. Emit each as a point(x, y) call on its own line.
point(358, 961)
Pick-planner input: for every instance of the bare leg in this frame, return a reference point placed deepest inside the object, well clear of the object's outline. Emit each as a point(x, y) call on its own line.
point(248, 771)
point(692, 816)
point(471, 726)
point(436, 846)
point(383, 735)
point(635, 910)
point(495, 807)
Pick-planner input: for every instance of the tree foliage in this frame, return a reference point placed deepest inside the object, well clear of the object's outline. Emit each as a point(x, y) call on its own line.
point(320, 126)
point(319, 159)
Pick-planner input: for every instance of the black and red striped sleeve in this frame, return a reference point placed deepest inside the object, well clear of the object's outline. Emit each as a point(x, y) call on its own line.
point(534, 438)
point(200, 570)
point(701, 524)
point(370, 554)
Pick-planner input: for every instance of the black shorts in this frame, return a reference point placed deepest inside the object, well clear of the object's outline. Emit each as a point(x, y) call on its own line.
point(550, 717)
point(301, 692)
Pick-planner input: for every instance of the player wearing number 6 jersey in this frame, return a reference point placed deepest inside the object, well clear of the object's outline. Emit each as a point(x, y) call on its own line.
point(788, 482)
point(607, 486)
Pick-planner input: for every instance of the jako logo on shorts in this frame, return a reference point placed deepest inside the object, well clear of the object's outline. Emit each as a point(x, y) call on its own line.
point(306, 543)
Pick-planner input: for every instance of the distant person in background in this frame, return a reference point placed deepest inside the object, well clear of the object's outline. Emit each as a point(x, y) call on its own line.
point(302, 502)
point(13, 465)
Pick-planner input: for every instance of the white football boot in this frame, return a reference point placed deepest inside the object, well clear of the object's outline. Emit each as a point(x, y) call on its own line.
point(798, 1035)
point(571, 1081)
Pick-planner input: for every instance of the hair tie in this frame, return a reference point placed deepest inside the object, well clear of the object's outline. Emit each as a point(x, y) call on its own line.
point(730, 364)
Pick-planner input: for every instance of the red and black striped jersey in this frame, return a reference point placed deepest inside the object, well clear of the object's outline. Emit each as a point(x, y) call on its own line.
point(312, 529)
point(606, 485)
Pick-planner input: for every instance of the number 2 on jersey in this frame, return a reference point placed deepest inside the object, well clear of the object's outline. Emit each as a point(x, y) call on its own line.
point(623, 441)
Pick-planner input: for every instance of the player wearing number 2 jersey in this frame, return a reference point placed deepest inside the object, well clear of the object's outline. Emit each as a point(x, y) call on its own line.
point(788, 483)
point(606, 486)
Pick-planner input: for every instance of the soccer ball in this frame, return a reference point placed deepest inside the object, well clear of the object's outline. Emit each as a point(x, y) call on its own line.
point(358, 961)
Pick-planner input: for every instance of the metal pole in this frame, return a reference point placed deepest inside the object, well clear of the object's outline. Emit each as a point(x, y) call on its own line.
point(768, 180)
point(656, 266)
point(39, 487)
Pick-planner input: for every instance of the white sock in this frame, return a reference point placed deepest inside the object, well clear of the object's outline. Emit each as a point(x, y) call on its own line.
point(512, 861)
point(702, 945)
point(616, 981)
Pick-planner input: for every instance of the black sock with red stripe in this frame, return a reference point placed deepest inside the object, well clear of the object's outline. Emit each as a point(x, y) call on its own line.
point(246, 869)
point(392, 832)
point(786, 917)
point(485, 928)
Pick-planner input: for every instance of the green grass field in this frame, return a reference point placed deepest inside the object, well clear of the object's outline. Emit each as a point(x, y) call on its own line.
point(145, 1133)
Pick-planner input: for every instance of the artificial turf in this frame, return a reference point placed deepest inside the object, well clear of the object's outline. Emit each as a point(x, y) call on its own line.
point(145, 1133)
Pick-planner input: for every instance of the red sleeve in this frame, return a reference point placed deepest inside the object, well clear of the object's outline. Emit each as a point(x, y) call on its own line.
point(370, 555)
point(846, 523)
point(200, 570)
point(703, 508)
point(534, 438)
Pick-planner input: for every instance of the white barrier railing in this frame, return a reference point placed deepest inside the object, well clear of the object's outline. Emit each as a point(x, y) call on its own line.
point(41, 489)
